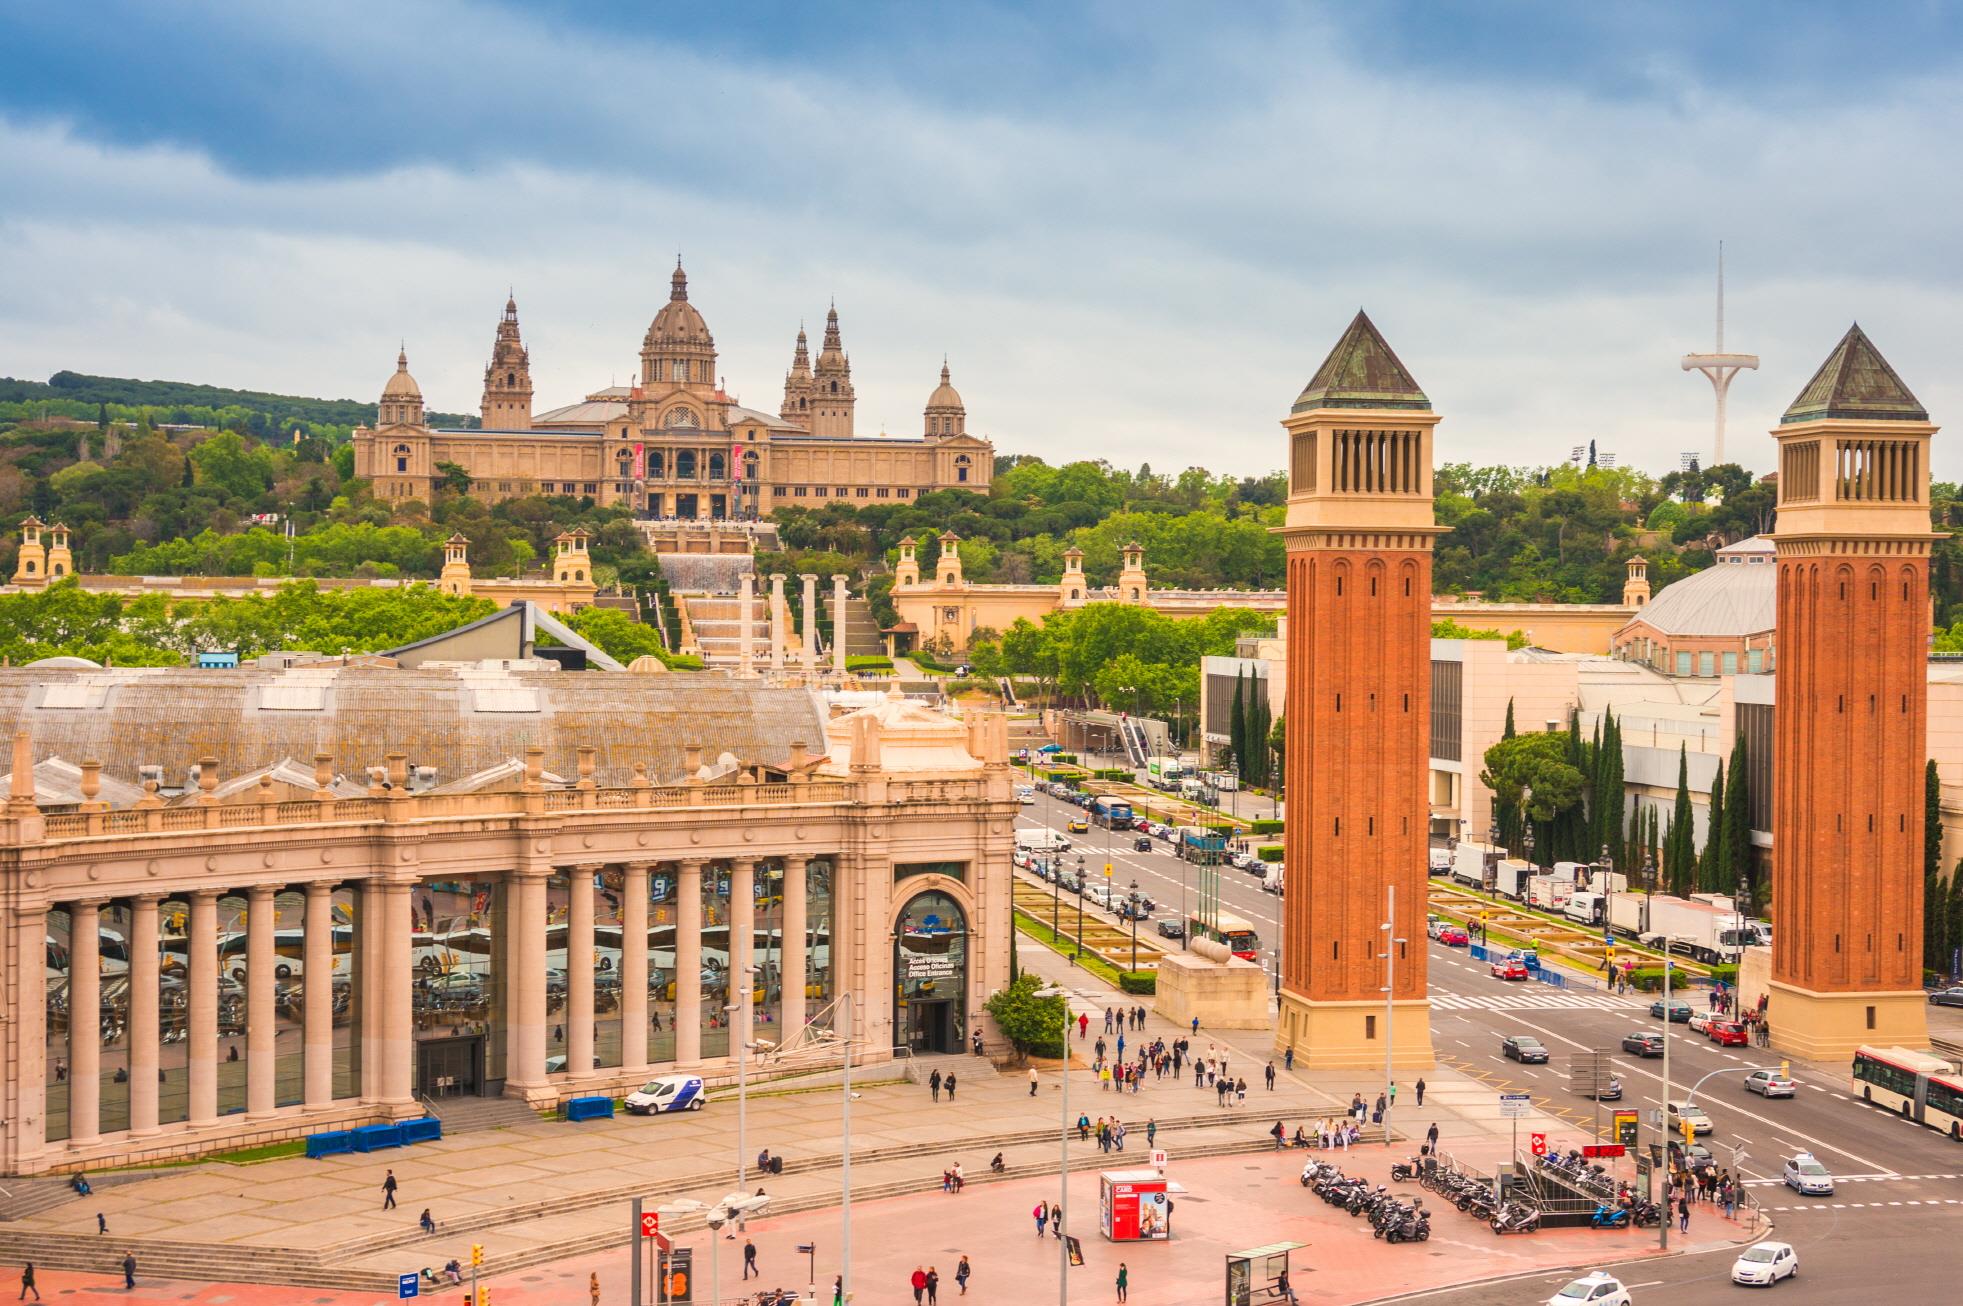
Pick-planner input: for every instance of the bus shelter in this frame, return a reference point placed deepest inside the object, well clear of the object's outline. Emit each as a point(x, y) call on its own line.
point(1259, 1274)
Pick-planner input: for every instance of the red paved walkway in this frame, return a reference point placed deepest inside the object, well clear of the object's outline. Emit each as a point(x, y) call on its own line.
point(1230, 1203)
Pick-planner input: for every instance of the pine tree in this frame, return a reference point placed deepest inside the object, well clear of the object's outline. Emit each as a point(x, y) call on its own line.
point(1711, 866)
point(1738, 825)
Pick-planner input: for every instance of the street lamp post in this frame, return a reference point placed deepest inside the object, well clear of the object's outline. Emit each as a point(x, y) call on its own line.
point(1391, 941)
point(845, 1159)
point(1663, 1108)
point(1063, 1163)
point(1133, 913)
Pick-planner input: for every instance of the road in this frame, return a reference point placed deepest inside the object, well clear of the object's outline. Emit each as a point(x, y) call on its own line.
point(1899, 1187)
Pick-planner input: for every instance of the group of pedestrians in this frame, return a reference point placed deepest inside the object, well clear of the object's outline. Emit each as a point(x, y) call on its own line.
point(28, 1282)
point(937, 1082)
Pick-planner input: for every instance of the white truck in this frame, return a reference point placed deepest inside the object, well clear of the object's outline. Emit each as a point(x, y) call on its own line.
point(1469, 862)
point(1041, 841)
point(1510, 878)
point(1549, 892)
point(1706, 927)
point(1585, 907)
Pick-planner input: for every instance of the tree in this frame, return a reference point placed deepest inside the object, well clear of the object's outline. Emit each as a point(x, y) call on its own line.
point(1237, 725)
point(1739, 866)
point(1711, 866)
point(1278, 742)
point(1506, 815)
point(1032, 1024)
point(620, 636)
point(1680, 848)
point(452, 478)
point(1954, 915)
point(1935, 916)
point(1535, 774)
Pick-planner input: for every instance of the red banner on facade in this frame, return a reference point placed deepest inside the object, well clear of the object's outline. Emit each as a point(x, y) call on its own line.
point(640, 462)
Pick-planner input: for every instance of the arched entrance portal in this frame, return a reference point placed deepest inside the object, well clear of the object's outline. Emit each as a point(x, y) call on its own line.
point(930, 973)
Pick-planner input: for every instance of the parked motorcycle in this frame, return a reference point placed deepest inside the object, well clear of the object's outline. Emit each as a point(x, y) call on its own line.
point(1609, 1217)
point(1514, 1218)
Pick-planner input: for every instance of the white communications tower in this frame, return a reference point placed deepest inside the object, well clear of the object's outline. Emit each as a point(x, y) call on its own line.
point(1719, 366)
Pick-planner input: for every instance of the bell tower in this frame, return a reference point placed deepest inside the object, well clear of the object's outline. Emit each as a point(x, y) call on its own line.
point(1132, 584)
point(1359, 536)
point(455, 576)
point(31, 563)
point(1073, 588)
point(1635, 585)
point(907, 570)
point(1850, 735)
point(507, 402)
point(832, 398)
point(948, 570)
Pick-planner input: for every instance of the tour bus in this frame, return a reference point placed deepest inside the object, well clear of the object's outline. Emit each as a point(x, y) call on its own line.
point(1237, 934)
point(1919, 1087)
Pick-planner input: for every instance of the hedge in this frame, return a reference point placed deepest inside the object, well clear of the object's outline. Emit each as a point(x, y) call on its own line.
point(928, 662)
point(1265, 826)
point(868, 662)
point(1111, 773)
point(1269, 852)
point(1649, 979)
point(1064, 759)
point(1138, 981)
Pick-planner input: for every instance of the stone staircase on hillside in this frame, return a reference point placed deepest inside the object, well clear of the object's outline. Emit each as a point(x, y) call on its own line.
point(862, 637)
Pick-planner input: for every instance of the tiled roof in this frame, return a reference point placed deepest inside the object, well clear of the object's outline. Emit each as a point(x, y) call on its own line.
point(1855, 382)
point(588, 412)
point(1362, 371)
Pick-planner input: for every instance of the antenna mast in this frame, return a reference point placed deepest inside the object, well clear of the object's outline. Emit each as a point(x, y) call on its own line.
point(1719, 367)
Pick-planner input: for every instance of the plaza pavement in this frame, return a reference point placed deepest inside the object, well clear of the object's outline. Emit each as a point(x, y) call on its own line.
point(549, 1202)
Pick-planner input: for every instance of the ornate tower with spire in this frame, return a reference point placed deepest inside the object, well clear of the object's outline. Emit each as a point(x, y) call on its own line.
point(946, 414)
point(798, 385)
point(832, 400)
point(678, 353)
point(507, 402)
point(1853, 540)
point(1359, 536)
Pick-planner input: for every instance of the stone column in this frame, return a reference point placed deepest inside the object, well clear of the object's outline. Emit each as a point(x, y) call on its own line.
point(525, 990)
point(838, 624)
point(742, 946)
point(776, 622)
point(317, 995)
point(144, 985)
point(398, 1025)
point(202, 1040)
point(808, 623)
point(27, 1132)
point(84, 1021)
point(634, 965)
point(260, 1050)
point(791, 1018)
point(688, 963)
point(579, 971)
point(745, 653)
point(366, 1021)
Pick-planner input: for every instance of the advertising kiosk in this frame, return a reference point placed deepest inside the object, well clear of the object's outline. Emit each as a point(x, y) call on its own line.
point(1134, 1206)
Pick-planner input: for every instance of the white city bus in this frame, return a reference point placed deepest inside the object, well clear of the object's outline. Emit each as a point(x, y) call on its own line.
point(1915, 1085)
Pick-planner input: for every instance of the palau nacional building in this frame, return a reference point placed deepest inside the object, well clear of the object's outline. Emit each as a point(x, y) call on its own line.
point(674, 444)
point(250, 904)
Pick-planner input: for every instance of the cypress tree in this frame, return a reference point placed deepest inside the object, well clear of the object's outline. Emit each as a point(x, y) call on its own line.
point(1237, 725)
point(1633, 848)
point(1679, 850)
point(1612, 795)
point(1505, 815)
point(1935, 923)
point(1711, 866)
point(1954, 914)
point(1738, 825)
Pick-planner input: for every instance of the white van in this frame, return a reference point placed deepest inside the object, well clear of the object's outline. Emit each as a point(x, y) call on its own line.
point(1041, 841)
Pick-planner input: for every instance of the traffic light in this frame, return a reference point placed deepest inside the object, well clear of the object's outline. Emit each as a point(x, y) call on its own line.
point(1690, 1133)
point(484, 1294)
point(477, 1256)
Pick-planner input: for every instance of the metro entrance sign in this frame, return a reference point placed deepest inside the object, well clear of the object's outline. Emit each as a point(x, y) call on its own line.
point(650, 1224)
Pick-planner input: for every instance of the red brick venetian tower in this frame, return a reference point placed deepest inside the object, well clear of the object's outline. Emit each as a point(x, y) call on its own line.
point(1359, 533)
point(1849, 732)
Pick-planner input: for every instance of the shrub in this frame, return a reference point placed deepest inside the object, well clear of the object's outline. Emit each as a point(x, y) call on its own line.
point(1649, 979)
point(868, 662)
point(1031, 1024)
point(1269, 852)
point(1111, 773)
point(1138, 981)
point(1066, 759)
point(928, 662)
point(1265, 826)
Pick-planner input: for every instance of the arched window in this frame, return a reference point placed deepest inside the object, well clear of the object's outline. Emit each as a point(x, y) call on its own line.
point(685, 463)
point(834, 387)
point(511, 378)
point(657, 461)
point(683, 419)
point(716, 467)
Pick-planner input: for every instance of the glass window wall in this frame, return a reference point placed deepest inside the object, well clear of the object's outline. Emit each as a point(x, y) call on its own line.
point(661, 962)
point(819, 876)
point(558, 897)
point(173, 1011)
point(60, 968)
point(716, 991)
point(347, 995)
point(767, 953)
point(458, 956)
point(606, 963)
point(115, 1096)
point(231, 1004)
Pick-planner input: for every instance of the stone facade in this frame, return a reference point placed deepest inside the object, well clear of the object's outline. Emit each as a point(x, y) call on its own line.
point(277, 951)
point(675, 444)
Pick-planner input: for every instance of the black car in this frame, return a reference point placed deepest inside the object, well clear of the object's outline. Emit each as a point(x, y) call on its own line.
point(1524, 1048)
point(1171, 930)
point(1142, 844)
point(1643, 1044)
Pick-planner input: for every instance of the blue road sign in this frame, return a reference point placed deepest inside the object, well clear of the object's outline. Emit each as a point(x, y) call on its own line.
point(407, 1286)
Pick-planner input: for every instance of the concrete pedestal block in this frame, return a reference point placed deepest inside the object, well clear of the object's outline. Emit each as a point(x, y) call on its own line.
point(1829, 1026)
point(1350, 1035)
point(1230, 995)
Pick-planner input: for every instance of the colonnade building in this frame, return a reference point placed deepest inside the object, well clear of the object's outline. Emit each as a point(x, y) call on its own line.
point(674, 444)
point(222, 926)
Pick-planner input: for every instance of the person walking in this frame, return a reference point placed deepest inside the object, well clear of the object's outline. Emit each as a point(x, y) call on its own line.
point(1420, 1087)
point(388, 1192)
point(27, 1284)
point(129, 1271)
point(1393, 1092)
point(1032, 1081)
point(1056, 1222)
point(919, 1282)
point(750, 1260)
point(1240, 1092)
point(1196, 1025)
point(934, 1085)
point(1683, 1213)
point(838, 1290)
point(1288, 1059)
point(1124, 1280)
point(961, 1273)
point(933, 1285)
point(1280, 1135)
point(1083, 1025)
point(948, 1084)
point(1431, 1138)
point(1151, 1133)
point(1042, 1216)
point(1271, 1076)
point(593, 1287)
point(101, 1223)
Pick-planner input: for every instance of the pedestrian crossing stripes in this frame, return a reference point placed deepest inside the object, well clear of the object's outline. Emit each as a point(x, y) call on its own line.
point(1863, 1179)
point(1536, 999)
point(1855, 1206)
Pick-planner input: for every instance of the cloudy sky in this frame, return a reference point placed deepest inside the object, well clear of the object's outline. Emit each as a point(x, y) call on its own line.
point(1134, 231)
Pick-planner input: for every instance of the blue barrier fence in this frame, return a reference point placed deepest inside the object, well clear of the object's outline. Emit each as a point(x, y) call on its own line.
point(1546, 976)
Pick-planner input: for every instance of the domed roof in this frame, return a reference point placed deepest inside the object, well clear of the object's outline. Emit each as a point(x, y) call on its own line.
point(945, 395)
point(402, 385)
point(678, 323)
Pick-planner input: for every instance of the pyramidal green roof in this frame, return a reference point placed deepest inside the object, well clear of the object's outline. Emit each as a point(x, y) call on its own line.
point(1855, 382)
point(1362, 371)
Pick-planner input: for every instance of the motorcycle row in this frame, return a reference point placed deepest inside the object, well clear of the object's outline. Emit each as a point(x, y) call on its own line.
point(1473, 1196)
point(1616, 1204)
point(1390, 1219)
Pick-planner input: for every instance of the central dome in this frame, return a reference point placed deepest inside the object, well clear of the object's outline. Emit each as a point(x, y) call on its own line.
point(678, 323)
point(401, 385)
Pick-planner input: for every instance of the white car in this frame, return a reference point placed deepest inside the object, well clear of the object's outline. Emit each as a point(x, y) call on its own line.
point(668, 1093)
point(1807, 1176)
point(1597, 1289)
point(1764, 1264)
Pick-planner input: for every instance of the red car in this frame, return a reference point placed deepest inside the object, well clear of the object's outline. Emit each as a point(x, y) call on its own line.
point(1512, 968)
point(1729, 1034)
point(1454, 937)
